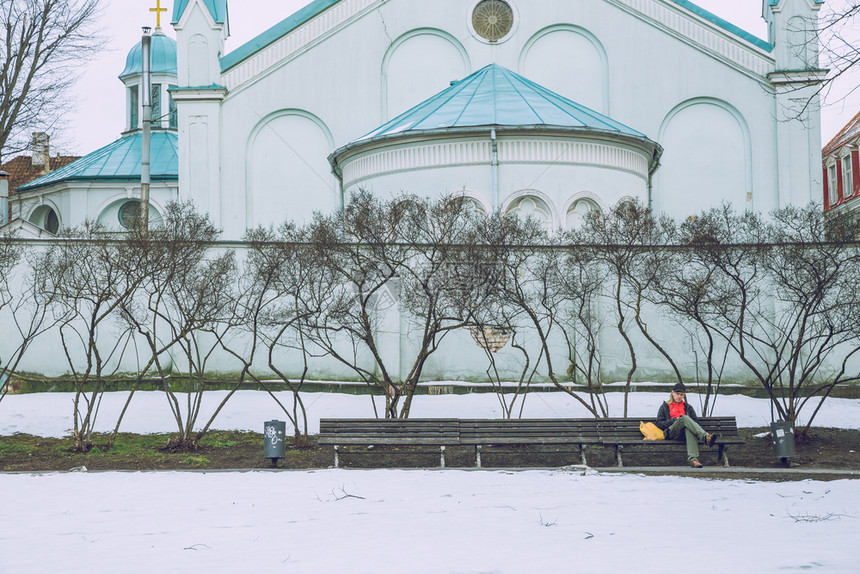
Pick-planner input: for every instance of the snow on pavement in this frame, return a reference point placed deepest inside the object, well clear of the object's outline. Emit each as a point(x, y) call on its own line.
point(421, 521)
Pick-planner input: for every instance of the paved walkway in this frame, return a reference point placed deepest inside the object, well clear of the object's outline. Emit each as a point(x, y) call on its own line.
point(736, 472)
point(732, 472)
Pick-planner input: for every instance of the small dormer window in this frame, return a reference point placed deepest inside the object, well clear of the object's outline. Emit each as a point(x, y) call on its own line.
point(133, 108)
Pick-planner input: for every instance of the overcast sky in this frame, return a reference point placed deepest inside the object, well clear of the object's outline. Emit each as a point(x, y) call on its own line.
point(98, 116)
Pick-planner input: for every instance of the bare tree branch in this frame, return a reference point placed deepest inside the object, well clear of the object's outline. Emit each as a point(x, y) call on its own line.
point(43, 45)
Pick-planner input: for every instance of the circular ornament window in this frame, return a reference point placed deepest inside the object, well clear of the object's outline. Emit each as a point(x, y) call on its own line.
point(129, 213)
point(492, 20)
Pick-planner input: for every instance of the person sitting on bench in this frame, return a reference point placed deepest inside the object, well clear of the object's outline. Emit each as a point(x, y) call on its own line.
point(677, 417)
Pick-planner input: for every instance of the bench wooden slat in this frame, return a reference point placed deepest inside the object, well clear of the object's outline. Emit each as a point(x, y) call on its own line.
point(436, 432)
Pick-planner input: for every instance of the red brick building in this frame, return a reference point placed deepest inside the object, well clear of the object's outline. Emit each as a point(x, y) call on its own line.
point(25, 168)
point(840, 161)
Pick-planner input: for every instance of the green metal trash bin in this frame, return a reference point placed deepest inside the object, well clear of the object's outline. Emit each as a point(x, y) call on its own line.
point(783, 439)
point(273, 440)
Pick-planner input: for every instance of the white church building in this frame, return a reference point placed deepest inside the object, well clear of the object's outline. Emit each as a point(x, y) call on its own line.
point(542, 106)
point(545, 107)
point(553, 107)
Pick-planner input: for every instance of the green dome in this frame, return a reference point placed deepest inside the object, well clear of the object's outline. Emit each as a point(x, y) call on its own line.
point(163, 56)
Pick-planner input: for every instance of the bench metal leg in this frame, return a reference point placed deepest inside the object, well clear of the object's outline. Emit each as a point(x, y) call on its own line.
point(618, 448)
point(442, 456)
point(582, 448)
point(478, 456)
point(724, 454)
point(336, 461)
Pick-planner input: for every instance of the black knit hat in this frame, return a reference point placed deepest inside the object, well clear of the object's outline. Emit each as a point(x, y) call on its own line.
point(679, 388)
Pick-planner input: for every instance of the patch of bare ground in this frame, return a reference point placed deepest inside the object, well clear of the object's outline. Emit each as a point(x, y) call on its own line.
point(823, 448)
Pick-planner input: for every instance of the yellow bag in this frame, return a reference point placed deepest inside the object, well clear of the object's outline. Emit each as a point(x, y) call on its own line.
point(651, 431)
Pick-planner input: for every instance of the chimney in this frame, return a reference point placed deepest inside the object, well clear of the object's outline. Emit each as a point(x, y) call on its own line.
point(41, 157)
point(4, 198)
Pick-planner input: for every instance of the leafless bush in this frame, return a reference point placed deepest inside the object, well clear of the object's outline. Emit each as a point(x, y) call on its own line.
point(527, 294)
point(26, 302)
point(387, 259)
point(184, 308)
point(88, 276)
point(287, 290)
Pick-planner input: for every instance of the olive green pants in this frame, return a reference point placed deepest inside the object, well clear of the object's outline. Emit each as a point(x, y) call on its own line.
point(692, 431)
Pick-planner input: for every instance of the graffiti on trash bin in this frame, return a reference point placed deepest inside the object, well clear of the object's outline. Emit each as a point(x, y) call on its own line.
point(272, 435)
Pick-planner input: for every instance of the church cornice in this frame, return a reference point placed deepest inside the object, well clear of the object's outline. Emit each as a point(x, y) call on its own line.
point(795, 77)
point(317, 21)
point(745, 53)
point(291, 38)
point(455, 147)
point(212, 92)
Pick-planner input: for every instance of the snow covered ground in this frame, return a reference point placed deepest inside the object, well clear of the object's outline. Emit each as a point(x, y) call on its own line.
point(391, 521)
point(50, 414)
point(405, 521)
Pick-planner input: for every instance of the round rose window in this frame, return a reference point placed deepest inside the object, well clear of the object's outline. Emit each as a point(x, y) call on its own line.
point(492, 19)
point(129, 213)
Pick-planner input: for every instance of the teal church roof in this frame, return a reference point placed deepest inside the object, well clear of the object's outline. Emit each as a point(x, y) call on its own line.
point(497, 97)
point(217, 8)
point(163, 52)
point(119, 161)
point(283, 28)
point(726, 25)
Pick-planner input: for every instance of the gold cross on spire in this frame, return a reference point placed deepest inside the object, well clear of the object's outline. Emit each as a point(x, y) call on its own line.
point(158, 10)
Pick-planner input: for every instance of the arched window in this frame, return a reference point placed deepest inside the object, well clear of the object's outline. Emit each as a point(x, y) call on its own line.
point(129, 213)
point(579, 211)
point(532, 207)
point(472, 205)
point(45, 217)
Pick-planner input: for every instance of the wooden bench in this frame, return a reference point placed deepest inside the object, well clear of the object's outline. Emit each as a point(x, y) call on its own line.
point(620, 432)
point(532, 432)
point(478, 433)
point(411, 432)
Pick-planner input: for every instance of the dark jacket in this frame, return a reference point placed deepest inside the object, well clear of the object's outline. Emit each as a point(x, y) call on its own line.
point(664, 421)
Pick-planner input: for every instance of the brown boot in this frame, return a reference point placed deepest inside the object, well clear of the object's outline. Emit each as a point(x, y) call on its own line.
point(695, 463)
point(710, 439)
